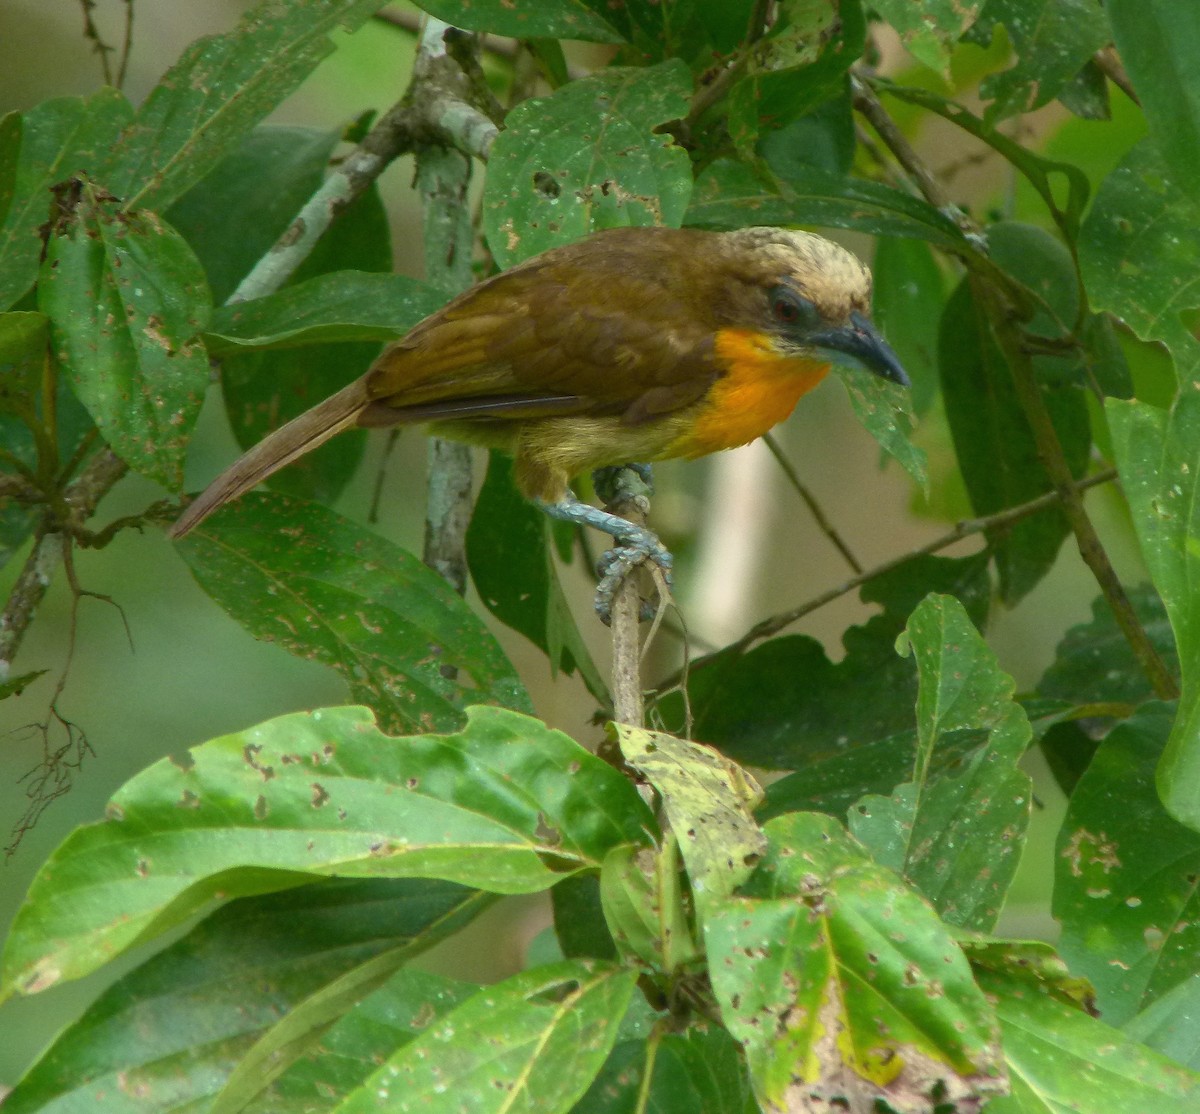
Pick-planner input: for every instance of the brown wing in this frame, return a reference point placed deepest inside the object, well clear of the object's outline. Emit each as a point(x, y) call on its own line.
point(575, 331)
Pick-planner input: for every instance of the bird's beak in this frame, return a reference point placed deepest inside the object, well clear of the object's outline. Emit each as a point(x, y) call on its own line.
point(860, 340)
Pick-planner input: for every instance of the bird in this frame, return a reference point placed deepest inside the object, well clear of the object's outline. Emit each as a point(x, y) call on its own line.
point(634, 344)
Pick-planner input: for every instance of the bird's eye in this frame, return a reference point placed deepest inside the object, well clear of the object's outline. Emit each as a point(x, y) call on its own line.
point(790, 308)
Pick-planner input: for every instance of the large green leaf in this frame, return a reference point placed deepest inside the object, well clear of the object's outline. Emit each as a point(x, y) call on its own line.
point(507, 805)
point(510, 554)
point(996, 450)
point(785, 705)
point(729, 194)
point(352, 1048)
point(708, 801)
point(1169, 1024)
point(1125, 876)
point(38, 149)
point(1094, 662)
point(909, 298)
point(1061, 1061)
point(957, 836)
point(844, 987)
point(221, 86)
point(169, 1032)
point(127, 300)
point(1156, 453)
point(338, 306)
point(331, 590)
point(1052, 40)
point(1137, 252)
point(1160, 47)
point(929, 28)
point(588, 157)
point(590, 20)
point(531, 1043)
point(800, 63)
point(243, 205)
point(697, 1071)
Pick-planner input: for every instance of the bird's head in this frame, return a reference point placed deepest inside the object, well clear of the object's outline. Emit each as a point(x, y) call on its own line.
point(810, 295)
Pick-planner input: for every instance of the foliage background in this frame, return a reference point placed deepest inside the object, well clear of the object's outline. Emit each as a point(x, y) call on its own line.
point(178, 697)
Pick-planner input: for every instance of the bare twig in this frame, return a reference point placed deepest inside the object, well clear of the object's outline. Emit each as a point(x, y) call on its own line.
point(965, 529)
point(92, 33)
point(810, 501)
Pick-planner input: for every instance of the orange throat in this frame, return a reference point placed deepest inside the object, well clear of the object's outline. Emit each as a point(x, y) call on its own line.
point(758, 390)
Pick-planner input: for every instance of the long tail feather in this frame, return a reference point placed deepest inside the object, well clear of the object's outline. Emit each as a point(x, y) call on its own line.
point(301, 435)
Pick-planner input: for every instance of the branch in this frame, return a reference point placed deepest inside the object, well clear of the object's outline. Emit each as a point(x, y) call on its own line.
point(434, 112)
point(997, 302)
point(80, 500)
point(965, 529)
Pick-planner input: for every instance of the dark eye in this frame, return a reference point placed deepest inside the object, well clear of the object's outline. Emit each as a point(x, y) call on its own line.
point(790, 308)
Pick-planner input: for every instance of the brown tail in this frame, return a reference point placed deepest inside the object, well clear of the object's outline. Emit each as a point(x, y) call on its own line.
point(301, 435)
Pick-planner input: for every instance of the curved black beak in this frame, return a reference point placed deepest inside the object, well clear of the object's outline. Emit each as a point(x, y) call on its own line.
point(860, 340)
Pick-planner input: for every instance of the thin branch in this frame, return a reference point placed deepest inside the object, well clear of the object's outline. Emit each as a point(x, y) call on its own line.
point(965, 529)
point(92, 33)
point(996, 300)
point(126, 45)
point(826, 527)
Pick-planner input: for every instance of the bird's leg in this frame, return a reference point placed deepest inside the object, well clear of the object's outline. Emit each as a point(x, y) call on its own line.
point(635, 544)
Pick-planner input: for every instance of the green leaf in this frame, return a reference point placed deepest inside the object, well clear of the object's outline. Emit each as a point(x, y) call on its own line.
point(844, 987)
point(350, 1050)
point(800, 63)
point(708, 801)
point(1052, 40)
point(531, 1043)
point(507, 805)
point(219, 89)
point(1094, 662)
point(23, 340)
point(929, 29)
point(1156, 456)
point(995, 446)
point(1169, 1024)
point(589, 20)
point(169, 1032)
point(910, 296)
point(784, 705)
point(336, 306)
point(1160, 47)
point(956, 836)
point(1061, 1061)
point(127, 300)
point(245, 203)
point(588, 157)
point(328, 589)
point(1137, 250)
point(14, 686)
point(697, 1071)
point(266, 387)
point(728, 194)
point(510, 554)
point(1032, 962)
point(642, 898)
point(39, 149)
point(885, 410)
point(579, 919)
point(1125, 875)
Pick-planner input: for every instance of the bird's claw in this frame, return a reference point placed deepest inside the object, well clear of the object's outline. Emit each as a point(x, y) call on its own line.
point(617, 563)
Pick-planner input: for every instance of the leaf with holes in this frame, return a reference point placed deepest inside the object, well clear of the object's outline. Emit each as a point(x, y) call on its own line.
point(127, 300)
point(844, 987)
point(506, 805)
point(956, 835)
point(588, 157)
